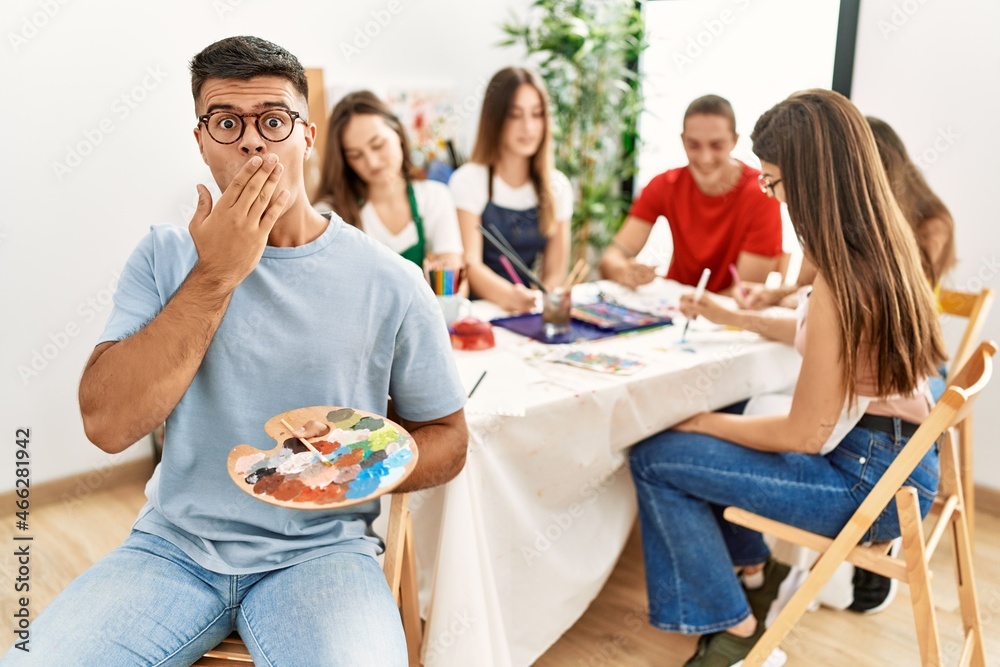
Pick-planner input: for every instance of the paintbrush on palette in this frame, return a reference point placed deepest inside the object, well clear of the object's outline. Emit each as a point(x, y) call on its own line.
point(512, 256)
point(305, 442)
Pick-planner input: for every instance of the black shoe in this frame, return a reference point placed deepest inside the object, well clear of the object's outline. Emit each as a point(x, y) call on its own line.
point(873, 592)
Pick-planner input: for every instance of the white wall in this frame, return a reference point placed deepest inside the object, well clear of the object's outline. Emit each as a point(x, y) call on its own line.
point(734, 48)
point(932, 70)
point(64, 234)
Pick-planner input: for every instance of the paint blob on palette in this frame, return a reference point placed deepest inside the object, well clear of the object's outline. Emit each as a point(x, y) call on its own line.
point(368, 457)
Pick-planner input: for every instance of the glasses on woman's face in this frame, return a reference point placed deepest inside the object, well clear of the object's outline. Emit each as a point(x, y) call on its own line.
point(767, 185)
point(274, 125)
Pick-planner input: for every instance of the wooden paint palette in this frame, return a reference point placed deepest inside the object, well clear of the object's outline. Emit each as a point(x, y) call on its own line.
point(371, 456)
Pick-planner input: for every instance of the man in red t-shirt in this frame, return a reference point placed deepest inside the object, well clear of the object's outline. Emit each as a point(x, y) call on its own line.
point(717, 213)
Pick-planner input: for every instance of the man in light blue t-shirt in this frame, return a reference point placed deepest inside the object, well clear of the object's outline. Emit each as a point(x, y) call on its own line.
point(262, 305)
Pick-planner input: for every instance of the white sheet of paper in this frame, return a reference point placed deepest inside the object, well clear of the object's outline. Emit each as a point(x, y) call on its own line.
point(503, 389)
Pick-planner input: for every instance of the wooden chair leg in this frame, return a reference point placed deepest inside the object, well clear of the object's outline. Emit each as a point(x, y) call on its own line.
point(394, 539)
point(919, 577)
point(968, 476)
point(962, 539)
point(968, 600)
point(820, 575)
point(409, 602)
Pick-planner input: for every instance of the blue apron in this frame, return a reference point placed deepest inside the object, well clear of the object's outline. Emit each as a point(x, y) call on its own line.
point(520, 228)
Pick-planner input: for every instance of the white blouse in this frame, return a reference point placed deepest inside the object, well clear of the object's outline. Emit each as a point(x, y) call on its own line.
point(469, 190)
point(437, 212)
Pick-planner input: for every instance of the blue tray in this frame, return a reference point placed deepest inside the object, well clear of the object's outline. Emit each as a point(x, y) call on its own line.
point(531, 326)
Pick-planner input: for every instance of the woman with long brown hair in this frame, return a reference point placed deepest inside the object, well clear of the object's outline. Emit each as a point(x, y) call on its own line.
point(509, 183)
point(368, 180)
point(869, 338)
point(929, 218)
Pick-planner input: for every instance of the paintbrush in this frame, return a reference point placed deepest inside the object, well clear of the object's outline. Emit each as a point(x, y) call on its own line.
point(509, 268)
point(503, 239)
point(512, 256)
point(476, 386)
point(698, 291)
point(503, 258)
point(579, 268)
point(305, 442)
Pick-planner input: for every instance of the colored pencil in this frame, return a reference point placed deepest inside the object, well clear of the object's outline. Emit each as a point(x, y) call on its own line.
point(308, 444)
point(698, 292)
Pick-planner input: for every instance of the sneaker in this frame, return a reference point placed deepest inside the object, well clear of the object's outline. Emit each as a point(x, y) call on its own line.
point(724, 649)
point(780, 583)
point(873, 592)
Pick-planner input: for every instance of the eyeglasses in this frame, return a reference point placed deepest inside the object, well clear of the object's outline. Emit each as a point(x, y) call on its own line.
point(766, 186)
point(274, 125)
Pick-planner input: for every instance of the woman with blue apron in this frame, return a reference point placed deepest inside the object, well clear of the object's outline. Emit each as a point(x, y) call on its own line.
point(513, 146)
point(519, 228)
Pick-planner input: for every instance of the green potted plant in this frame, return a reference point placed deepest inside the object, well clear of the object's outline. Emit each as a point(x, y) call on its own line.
point(587, 51)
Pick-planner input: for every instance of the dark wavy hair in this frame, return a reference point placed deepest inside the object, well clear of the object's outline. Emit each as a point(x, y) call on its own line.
point(245, 58)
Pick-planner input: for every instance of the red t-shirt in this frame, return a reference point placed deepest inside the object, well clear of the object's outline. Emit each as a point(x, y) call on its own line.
point(711, 231)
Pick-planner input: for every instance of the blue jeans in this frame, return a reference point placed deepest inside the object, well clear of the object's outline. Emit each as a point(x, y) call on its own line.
point(685, 480)
point(146, 603)
point(937, 383)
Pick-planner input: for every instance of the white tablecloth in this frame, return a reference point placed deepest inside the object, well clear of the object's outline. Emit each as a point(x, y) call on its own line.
point(514, 549)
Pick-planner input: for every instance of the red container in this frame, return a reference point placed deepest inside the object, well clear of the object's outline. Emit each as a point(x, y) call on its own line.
point(471, 334)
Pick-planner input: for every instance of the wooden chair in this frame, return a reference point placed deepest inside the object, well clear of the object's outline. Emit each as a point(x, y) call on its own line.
point(975, 308)
point(400, 567)
point(951, 409)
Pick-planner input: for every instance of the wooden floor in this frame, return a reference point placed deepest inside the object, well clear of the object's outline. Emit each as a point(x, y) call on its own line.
point(68, 538)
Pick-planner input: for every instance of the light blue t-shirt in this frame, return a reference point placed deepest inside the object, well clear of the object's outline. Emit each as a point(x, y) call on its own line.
point(339, 321)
